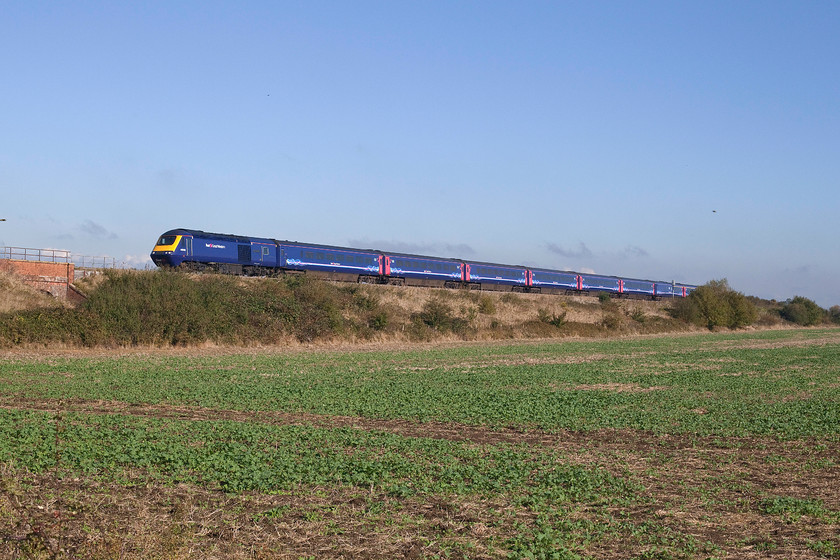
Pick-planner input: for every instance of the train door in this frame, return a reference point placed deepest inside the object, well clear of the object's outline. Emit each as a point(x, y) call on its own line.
point(188, 246)
point(261, 253)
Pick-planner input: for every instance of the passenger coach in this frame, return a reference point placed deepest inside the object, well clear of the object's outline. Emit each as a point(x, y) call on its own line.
point(233, 254)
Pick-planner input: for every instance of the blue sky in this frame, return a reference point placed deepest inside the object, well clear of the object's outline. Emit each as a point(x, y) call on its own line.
point(664, 140)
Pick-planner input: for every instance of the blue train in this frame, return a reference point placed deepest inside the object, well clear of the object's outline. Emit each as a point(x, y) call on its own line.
point(234, 254)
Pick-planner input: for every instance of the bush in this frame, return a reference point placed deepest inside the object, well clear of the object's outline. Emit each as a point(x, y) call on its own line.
point(551, 318)
point(802, 311)
point(715, 304)
point(486, 305)
point(378, 321)
point(611, 320)
point(438, 315)
point(173, 308)
point(834, 314)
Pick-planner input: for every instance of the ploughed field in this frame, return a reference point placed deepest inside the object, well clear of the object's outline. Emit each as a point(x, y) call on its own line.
point(697, 446)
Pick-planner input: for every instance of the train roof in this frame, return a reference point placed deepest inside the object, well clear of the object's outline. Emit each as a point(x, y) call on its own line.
point(320, 246)
point(244, 239)
point(500, 265)
point(426, 257)
point(209, 235)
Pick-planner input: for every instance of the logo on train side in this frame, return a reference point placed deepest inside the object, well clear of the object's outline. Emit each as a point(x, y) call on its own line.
point(214, 246)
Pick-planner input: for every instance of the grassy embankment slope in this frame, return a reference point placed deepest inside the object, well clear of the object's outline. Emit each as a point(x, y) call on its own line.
point(16, 296)
point(162, 308)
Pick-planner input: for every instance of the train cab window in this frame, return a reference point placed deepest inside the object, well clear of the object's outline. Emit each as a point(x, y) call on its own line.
point(167, 240)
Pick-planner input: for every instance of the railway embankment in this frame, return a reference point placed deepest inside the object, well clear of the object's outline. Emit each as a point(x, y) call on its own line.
point(164, 308)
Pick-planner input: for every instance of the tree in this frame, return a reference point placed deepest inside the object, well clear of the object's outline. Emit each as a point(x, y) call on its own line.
point(715, 304)
point(802, 311)
point(834, 314)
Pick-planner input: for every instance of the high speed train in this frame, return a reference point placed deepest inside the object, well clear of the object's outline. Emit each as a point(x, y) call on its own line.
point(258, 256)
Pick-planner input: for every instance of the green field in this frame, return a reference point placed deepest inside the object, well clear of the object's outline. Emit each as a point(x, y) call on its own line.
point(701, 446)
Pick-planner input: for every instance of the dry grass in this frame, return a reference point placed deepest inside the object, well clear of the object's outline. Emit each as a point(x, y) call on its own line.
point(15, 295)
point(512, 315)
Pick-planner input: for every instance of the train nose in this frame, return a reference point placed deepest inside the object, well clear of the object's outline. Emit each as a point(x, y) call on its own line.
point(162, 258)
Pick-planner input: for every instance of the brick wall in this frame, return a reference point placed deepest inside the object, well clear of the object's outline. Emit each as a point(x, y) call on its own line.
point(54, 278)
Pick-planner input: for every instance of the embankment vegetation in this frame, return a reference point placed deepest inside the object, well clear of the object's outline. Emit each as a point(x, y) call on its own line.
point(164, 308)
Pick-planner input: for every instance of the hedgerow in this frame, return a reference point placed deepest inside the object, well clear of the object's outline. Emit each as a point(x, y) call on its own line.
point(163, 308)
point(169, 308)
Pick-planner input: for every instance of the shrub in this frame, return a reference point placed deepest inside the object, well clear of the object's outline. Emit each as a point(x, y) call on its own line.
point(486, 306)
point(173, 308)
point(378, 321)
point(438, 315)
point(551, 318)
point(742, 311)
point(715, 304)
point(802, 311)
point(318, 308)
point(834, 314)
point(611, 320)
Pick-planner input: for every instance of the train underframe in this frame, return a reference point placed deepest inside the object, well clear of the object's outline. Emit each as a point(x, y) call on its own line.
point(263, 271)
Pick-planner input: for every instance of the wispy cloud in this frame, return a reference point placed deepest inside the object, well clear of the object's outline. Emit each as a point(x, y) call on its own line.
point(95, 230)
point(431, 249)
point(169, 178)
point(634, 251)
point(582, 251)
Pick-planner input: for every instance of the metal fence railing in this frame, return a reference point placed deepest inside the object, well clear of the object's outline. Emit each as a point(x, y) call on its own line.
point(85, 261)
point(56, 256)
point(28, 254)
